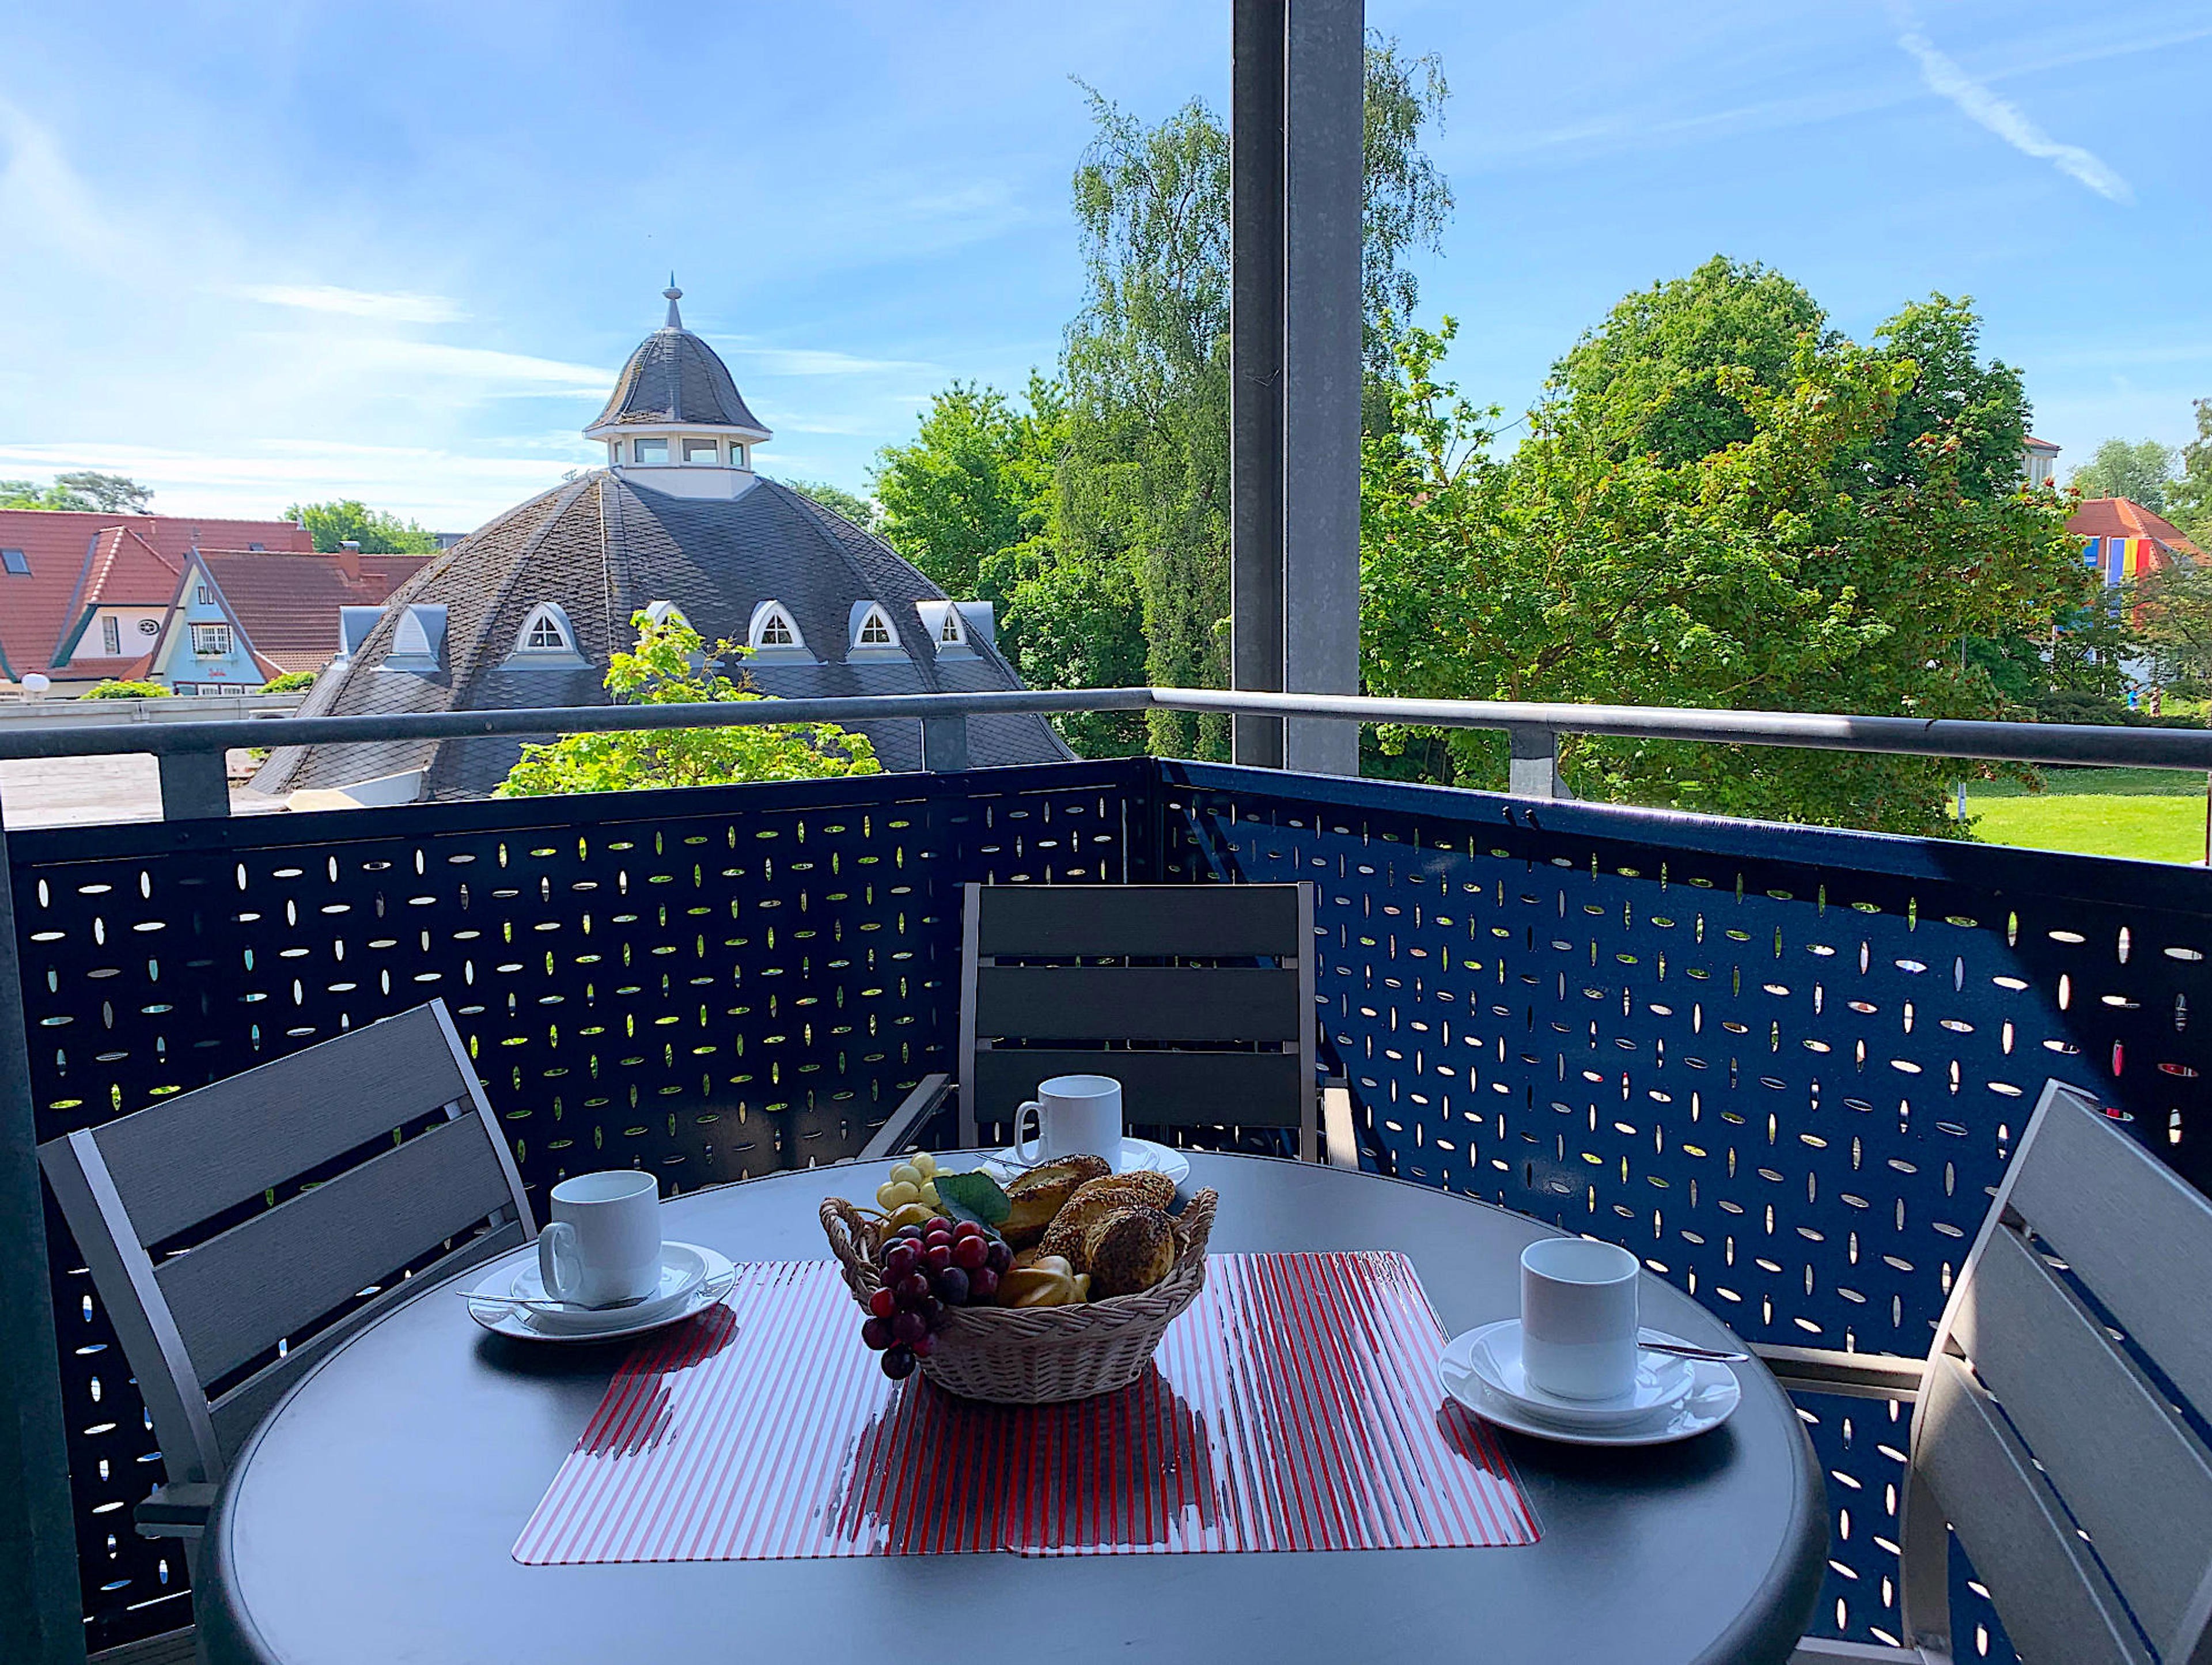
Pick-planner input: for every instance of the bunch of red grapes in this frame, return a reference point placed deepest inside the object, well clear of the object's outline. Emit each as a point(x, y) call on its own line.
point(925, 1270)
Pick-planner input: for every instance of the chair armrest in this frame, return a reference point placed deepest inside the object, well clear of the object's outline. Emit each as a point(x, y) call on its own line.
point(1855, 1375)
point(929, 1094)
point(178, 1509)
point(1336, 1127)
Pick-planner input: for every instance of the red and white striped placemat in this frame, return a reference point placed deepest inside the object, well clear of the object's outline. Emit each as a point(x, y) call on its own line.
point(1294, 1406)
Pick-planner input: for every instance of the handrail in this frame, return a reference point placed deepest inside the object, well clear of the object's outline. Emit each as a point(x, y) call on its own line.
point(190, 754)
point(1930, 737)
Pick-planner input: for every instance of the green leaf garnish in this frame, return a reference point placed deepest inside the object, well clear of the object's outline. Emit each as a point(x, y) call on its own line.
point(974, 1196)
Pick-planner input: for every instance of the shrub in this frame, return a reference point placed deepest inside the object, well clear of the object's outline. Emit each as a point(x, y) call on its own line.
point(127, 690)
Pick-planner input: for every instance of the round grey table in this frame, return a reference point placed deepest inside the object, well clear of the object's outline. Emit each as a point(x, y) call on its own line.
point(369, 1519)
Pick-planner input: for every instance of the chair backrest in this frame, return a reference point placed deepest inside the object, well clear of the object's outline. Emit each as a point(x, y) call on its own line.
point(2082, 1495)
point(1192, 1044)
point(204, 1270)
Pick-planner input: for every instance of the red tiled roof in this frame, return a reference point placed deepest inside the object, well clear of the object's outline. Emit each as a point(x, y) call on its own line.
point(2034, 444)
point(287, 604)
point(2123, 516)
point(111, 669)
point(72, 565)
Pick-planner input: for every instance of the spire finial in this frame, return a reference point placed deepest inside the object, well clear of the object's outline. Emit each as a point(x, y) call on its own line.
point(674, 295)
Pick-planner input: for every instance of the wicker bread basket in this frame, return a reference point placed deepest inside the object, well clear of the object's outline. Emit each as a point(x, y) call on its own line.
point(1038, 1355)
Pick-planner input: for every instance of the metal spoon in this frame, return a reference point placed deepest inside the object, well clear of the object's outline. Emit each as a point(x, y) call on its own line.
point(1680, 1351)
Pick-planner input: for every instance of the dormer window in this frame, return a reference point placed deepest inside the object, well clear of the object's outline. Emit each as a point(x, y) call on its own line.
point(418, 640)
point(665, 612)
point(541, 633)
point(547, 640)
point(948, 630)
point(650, 453)
point(874, 635)
point(773, 632)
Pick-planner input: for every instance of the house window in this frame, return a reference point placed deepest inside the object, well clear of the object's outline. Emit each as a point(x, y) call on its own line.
point(212, 640)
point(188, 688)
point(111, 634)
point(258, 548)
point(775, 632)
point(12, 560)
point(648, 451)
point(200, 595)
point(949, 632)
point(703, 451)
point(875, 631)
point(544, 634)
point(738, 459)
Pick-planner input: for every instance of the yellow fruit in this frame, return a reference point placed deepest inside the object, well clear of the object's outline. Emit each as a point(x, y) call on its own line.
point(914, 1214)
point(906, 1174)
point(923, 1164)
point(928, 1193)
point(894, 1193)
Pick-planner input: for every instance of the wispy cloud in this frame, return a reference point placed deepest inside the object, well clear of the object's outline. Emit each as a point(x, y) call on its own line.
point(817, 362)
point(390, 362)
point(399, 306)
point(1944, 77)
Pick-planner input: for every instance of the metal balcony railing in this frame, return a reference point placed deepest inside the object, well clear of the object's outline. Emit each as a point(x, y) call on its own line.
point(1785, 1064)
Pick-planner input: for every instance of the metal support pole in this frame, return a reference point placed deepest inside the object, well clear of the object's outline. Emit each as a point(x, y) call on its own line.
point(1322, 309)
point(195, 786)
point(41, 1611)
point(1533, 768)
point(943, 743)
point(1255, 356)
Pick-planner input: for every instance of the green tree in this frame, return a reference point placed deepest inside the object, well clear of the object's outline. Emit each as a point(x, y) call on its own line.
point(127, 690)
point(2189, 497)
point(330, 525)
point(1740, 577)
point(1655, 380)
point(289, 681)
point(84, 490)
point(1978, 412)
point(1650, 380)
point(860, 511)
point(2140, 471)
point(1144, 480)
point(976, 479)
point(669, 666)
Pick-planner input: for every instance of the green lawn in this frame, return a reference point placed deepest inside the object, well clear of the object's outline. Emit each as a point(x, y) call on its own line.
point(2151, 814)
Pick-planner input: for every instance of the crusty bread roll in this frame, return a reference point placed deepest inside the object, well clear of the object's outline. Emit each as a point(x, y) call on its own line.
point(1040, 1194)
point(1093, 1200)
point(1128, 1251)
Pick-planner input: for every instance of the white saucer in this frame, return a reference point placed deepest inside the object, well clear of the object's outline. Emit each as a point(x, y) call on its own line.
point(1713, 1396)
point(1494, 1353)
point(692, 1278)
point(1139, 1156)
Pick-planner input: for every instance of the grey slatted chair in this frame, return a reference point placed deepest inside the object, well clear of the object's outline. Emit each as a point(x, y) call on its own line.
point(1159, 1030)
point(169, 1175)
point(2083, 1498)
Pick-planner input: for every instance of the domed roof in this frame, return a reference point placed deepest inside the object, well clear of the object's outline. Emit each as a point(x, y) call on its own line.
point(674, 377)
point(602, 547)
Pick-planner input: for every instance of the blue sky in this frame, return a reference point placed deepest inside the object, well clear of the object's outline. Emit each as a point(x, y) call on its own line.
point(256, 252)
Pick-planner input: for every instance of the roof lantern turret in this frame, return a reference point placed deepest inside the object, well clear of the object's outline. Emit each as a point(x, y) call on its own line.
point(676, 422)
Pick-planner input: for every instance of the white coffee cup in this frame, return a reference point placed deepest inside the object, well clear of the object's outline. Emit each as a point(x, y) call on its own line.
point(603, 1243)
point(1579, 1318)
point(1076, 1115)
